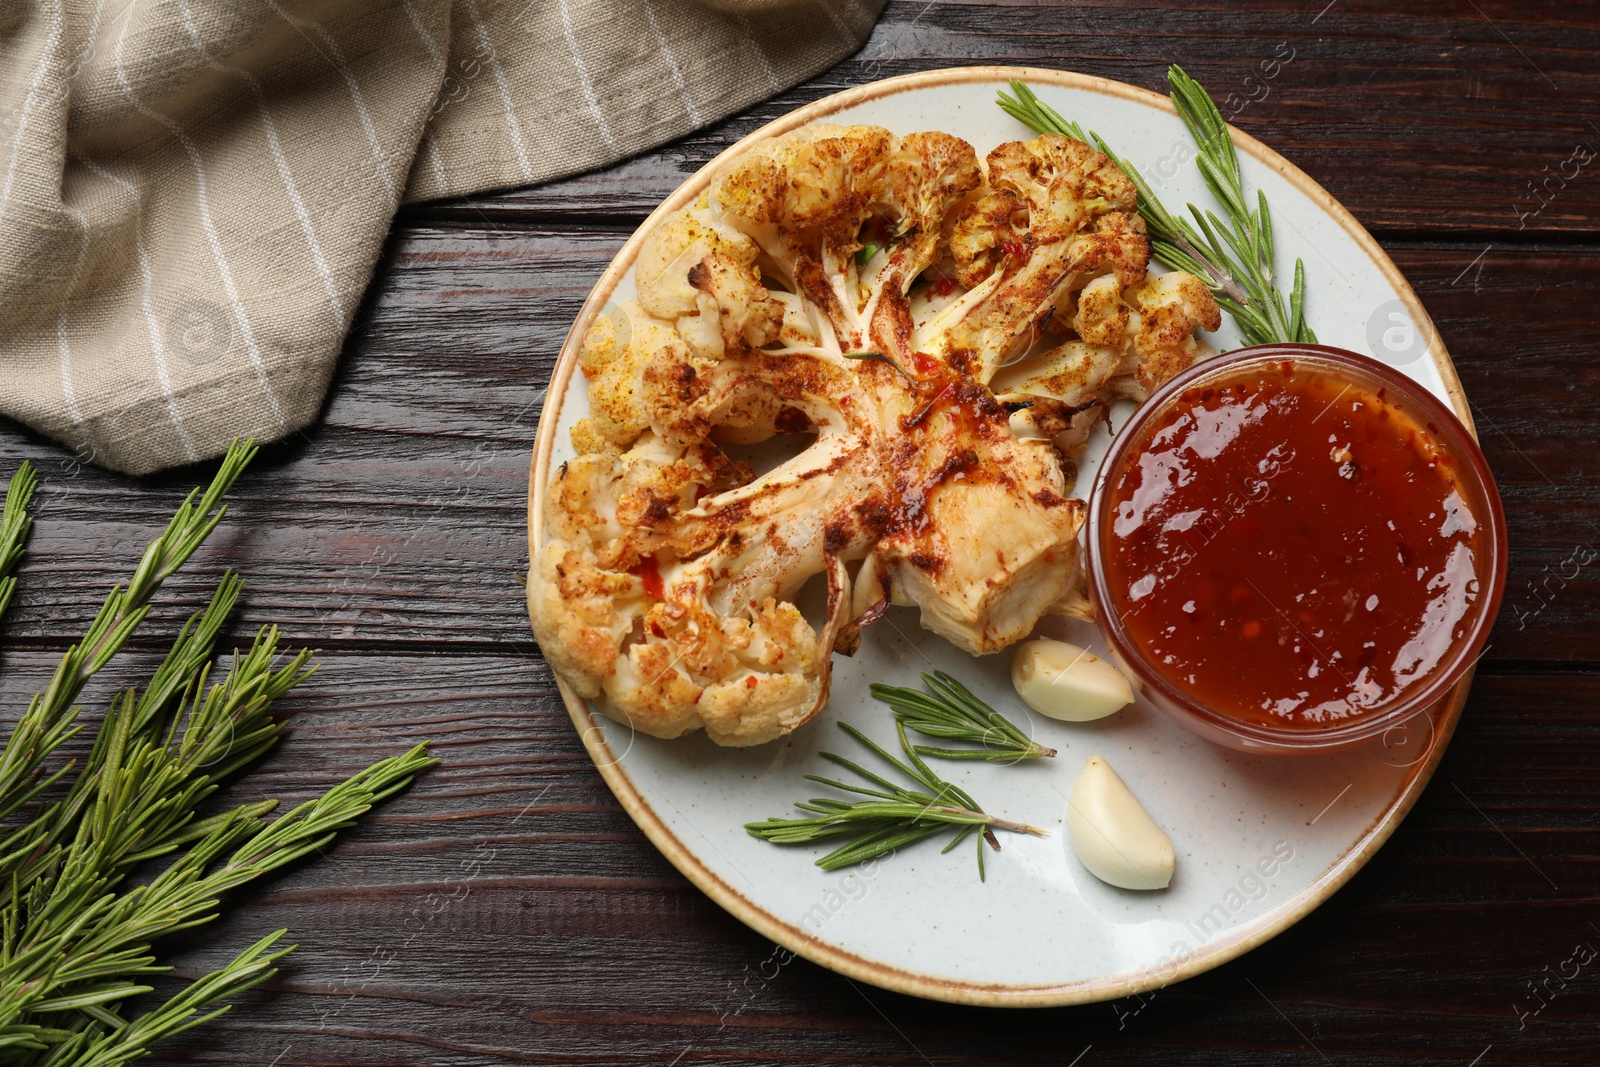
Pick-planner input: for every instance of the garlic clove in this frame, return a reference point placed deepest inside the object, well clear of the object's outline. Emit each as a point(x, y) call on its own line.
point(1112, 833)
point(1066, 682)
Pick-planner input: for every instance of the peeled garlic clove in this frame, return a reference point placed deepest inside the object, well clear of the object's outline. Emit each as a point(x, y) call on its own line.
point(1112, 833)
point(1067, 682)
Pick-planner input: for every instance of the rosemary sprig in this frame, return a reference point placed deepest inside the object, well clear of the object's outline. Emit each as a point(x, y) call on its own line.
point(184, 1011)
point(15, 522)
point(896, 816)
point(949, 711)
point(75, 940)
point(1236, 258)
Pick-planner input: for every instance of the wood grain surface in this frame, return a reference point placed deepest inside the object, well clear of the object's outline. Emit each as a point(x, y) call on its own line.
point(506, 911)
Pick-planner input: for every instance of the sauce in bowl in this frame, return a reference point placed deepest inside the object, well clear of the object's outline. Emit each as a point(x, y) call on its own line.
point(1294, 550)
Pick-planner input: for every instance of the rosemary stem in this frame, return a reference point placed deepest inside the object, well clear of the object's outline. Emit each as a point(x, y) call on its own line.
point(994, 821)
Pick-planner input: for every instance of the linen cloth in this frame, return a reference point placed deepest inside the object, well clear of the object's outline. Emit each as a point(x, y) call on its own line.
point(193, 193)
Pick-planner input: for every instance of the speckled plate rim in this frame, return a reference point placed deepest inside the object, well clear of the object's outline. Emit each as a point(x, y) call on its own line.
point(793, 937)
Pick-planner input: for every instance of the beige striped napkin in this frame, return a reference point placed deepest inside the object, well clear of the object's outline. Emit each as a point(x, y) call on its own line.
point(193, 192)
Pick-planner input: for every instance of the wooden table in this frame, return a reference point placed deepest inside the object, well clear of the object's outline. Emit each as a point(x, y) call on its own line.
point(507, 911)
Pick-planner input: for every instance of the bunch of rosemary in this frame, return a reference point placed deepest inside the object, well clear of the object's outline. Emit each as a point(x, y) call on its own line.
point(1234, 258)
point(75, 935)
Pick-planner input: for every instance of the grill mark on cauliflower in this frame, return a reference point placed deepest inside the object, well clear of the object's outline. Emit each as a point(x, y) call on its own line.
point(947, 498)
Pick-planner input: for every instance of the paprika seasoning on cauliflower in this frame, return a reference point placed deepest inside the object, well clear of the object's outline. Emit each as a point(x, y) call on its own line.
point(665, 585)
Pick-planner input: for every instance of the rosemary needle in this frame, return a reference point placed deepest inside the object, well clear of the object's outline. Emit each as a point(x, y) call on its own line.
point(893, 817)
point(878, 357)
point(1234, 258)
point(949, 711)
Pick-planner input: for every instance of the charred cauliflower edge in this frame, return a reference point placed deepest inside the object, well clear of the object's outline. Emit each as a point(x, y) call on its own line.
point(1013, 297)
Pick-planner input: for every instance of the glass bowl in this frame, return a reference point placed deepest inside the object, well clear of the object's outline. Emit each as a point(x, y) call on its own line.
point(1473, 481)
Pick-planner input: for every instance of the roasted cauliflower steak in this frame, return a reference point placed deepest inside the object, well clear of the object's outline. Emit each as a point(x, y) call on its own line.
point(869, 290)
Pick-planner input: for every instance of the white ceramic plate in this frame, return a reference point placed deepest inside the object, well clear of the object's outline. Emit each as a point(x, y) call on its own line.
point(1261, 841)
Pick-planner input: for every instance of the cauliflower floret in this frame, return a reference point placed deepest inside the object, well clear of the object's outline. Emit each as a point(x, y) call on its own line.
point(648, 382)
point(702, 276)
point(1041, 192)
point(1130, 342)
point(1170, 308)
point(808, 192)
point(581, 613)
point(666, 587)
point(745, 680)
point(1058, 214)
point(932, 172)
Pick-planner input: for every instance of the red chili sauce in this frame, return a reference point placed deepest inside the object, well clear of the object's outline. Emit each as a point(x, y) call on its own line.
point(1292, 549)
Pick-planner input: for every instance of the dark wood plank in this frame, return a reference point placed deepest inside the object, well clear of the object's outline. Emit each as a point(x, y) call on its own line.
point(1421, 118)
